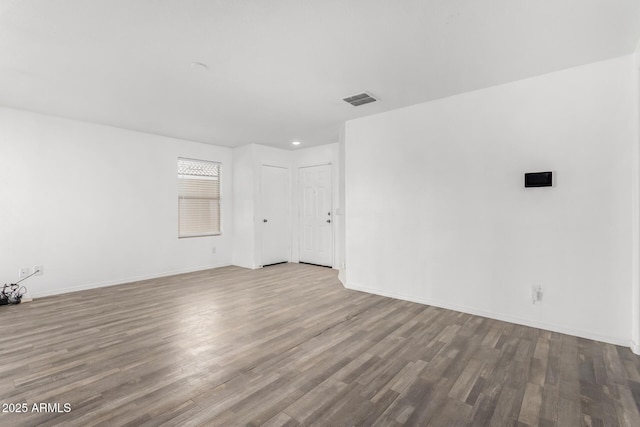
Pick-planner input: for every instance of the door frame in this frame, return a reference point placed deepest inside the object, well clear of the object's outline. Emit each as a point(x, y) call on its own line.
point(260, 213)
point(298, 213)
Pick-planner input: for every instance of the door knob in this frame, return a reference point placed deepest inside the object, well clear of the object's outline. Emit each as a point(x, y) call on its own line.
point(264, 220)
point(329, 220)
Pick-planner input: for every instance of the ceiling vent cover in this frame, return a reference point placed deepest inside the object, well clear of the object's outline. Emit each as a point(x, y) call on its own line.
point(360, 99)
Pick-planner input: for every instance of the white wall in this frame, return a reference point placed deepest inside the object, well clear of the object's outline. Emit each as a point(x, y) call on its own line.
point(341, 259)
point(244, 246)
point(248, 161)
point(269, 156)
point(96, 205)
point(436, 210)
point(635, 254)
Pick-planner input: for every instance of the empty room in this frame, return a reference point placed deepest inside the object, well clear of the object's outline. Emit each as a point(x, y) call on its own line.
point(330, 213)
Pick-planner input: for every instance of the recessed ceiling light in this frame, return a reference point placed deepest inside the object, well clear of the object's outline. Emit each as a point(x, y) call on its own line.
point(199, 66)
point(295, 143)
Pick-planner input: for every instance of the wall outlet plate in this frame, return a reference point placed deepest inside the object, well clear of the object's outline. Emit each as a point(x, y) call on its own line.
point(536, 293)
point(39, 269)
point(24, 272)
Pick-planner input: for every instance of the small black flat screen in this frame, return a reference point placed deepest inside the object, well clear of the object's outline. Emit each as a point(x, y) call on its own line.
point(538, 179)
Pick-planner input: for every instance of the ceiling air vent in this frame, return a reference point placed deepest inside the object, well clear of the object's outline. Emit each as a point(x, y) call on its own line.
point(360, 99)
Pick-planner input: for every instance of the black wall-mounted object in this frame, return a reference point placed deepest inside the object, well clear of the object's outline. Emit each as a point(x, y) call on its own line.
point(538, 179)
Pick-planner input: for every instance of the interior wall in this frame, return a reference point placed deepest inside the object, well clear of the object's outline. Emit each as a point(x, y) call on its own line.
point(268, 156)
point(635, 159)
point(97, 205)
point(248, 161)
point(436, 210)
point(243, 252)
point(341, 260)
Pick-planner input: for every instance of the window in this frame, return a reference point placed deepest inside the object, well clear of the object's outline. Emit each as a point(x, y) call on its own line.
point(198, 198)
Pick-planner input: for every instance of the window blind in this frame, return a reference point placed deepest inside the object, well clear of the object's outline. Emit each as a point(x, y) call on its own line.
point(198, 198)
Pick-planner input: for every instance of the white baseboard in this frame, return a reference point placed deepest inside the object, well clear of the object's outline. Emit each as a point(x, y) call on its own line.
point(121, 281)
point(497, 316)
point(243, 265)
point(342, 277)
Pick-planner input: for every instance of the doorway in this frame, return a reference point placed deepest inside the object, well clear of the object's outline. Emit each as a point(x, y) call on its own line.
point(316, 220)
point(275, 222)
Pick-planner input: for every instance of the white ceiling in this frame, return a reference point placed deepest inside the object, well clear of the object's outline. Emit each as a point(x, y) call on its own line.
point(278, 69)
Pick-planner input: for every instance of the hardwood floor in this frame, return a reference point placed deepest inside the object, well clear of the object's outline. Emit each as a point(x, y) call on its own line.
point(288, 345)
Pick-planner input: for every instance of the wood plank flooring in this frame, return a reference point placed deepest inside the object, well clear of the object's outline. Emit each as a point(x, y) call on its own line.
point(288, 345)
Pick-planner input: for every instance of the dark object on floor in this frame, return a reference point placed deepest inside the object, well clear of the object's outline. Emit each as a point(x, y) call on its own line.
point(12, 294)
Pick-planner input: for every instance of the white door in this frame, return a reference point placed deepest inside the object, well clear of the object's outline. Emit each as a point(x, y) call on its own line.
point(274, 208)
point(316, 220)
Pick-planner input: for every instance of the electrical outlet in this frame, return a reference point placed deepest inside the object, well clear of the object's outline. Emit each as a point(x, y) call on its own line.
point(38, 269)
point(213, 250)
point(24, 272)
point(536, 293)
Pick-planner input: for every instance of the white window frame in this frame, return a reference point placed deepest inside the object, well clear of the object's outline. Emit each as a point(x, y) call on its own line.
point(194, 175)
